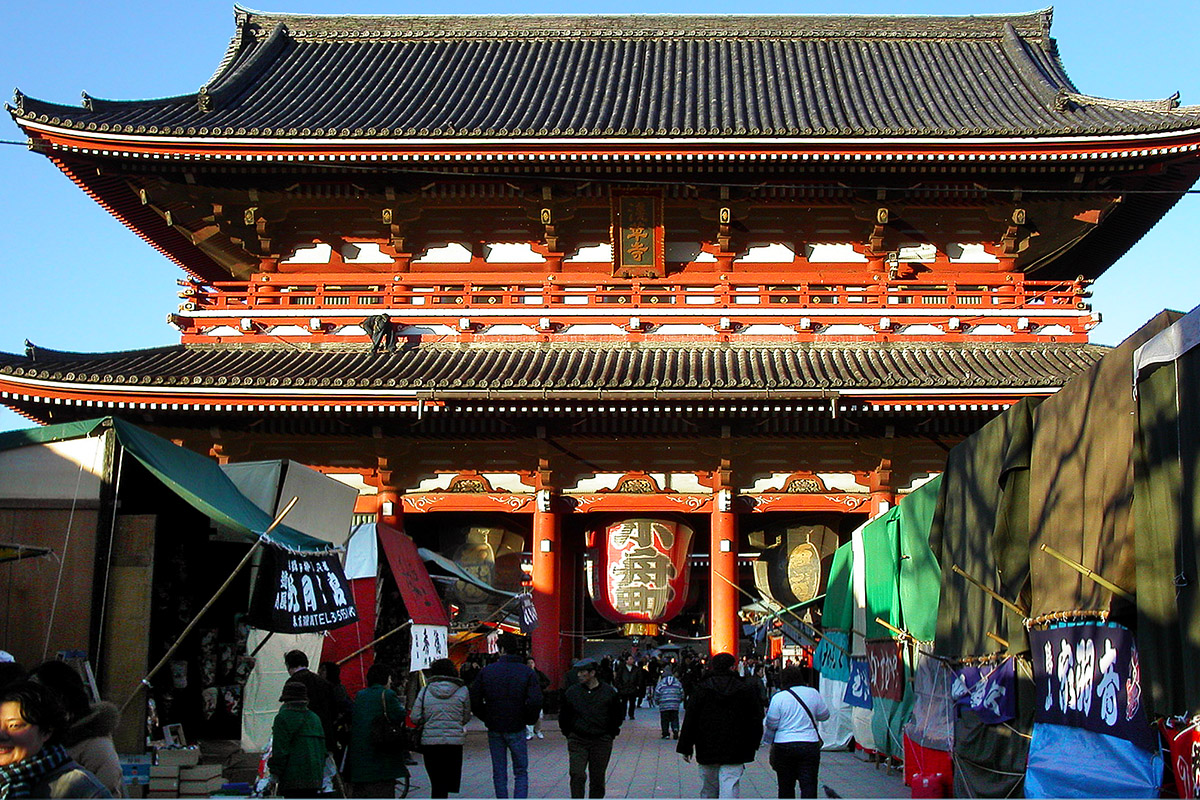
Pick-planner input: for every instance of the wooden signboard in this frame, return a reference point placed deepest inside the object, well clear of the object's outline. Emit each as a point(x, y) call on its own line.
point(638, 240)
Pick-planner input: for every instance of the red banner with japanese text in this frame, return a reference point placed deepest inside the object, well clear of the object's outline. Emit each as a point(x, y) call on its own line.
point(412, 578)
point(887, 669)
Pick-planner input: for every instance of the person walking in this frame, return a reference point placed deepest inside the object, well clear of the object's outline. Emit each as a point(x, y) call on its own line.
point(506, 697)
point(373, 773)
point(298, 752)
point(590, 718)
point(535, 729)
point(722, 725)
point(668, 695)
point(628, 680)
point(443, 708)
point(791, 731)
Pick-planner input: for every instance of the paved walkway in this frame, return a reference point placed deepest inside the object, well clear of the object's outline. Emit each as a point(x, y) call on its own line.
point(645, 765)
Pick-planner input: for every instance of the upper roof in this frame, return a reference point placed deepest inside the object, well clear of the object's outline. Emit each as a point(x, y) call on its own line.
point(639, 76)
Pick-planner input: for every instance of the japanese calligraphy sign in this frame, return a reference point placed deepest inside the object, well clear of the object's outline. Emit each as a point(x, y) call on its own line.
point(887, 669)
point(638, 247)
point(641, 570)
point(429, 643)
point(858, 688)
point(529, 615)
point(1087, 676)
point(989, 690)
point(831, 659)
point(300, 593)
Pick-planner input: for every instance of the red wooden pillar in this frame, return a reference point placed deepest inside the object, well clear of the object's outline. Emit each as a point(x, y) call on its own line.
point(723, 600)
point(547, 587)
point(389, 509)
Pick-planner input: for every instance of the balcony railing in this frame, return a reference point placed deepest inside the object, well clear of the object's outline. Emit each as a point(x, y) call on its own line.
point(347, 299)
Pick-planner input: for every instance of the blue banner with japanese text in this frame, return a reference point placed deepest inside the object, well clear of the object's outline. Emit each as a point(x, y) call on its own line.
point(858, 688)
point(1087, 675)
point(831, 658)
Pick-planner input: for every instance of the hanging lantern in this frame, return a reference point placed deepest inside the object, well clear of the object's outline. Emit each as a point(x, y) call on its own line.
point(640, 573)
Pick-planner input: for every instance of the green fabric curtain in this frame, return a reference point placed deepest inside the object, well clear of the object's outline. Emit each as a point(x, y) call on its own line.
point(837, 614)
point(195, 478)
point(981, 524)
point(1166, 517)
point(1081, 484)
point(920, 576)
point(903, 581)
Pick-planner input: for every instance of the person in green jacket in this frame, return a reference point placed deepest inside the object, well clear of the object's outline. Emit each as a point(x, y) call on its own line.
point(297, 759)
point(374, 773)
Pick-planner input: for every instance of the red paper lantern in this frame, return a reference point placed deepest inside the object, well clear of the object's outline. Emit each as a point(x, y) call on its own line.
point(640, 570)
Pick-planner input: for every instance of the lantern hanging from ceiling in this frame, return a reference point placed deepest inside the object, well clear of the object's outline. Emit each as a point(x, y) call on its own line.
point(640, 572)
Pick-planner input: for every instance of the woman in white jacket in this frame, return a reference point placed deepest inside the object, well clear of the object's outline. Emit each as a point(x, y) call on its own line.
point(791, 730)
point(443, 708)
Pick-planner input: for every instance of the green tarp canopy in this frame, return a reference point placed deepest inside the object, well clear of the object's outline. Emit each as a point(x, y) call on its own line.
point(1166, 517)
point(195, 478)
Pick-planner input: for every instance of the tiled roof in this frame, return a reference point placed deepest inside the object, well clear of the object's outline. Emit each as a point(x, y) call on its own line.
point(456, 77)
point(568, 368)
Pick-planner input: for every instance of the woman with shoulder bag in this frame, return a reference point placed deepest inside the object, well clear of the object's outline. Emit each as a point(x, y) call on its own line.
point(791, 730)
point(442, 709)
point(374, 769)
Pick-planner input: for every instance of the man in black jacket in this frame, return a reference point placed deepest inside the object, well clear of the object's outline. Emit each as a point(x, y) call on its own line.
point(723, 725)
point(629, 681)
point(506, 697)
point(590, 718)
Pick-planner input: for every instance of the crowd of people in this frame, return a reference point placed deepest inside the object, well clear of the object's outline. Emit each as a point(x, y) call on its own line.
point(56, 741)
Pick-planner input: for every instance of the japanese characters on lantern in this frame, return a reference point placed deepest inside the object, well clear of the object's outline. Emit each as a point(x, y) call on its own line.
point(641, 570)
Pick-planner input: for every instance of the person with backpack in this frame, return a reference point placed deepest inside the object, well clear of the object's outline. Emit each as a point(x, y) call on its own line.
point(791, 731)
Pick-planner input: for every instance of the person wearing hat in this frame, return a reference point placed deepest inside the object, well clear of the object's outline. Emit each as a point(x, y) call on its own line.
point(590, 718)
point(297, 760)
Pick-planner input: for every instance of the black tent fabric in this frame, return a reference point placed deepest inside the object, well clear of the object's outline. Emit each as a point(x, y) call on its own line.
point(1167, 517)
point(981, 525)
point(1081, 486)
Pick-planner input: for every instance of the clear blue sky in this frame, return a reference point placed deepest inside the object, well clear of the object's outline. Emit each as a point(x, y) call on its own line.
point(73, 278)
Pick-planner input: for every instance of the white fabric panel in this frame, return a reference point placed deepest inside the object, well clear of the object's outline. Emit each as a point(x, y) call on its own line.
point(67, 470)
point(362, 552)
point(864, 733)
point(836, 731)
point(858, 577)
point(260, 699)
point(325, 508)
point(1168, 345)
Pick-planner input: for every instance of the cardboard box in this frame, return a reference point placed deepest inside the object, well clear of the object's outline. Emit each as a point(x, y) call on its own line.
point(164, 771)
point(164, 784)
point(135, 770)
point(204, 787)
point(200, 772)
point(179, 757)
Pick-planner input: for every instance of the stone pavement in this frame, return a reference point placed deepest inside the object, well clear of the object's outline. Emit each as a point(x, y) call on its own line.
point(645, 765)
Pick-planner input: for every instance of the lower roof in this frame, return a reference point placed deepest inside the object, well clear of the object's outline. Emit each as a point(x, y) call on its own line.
point(549, 370)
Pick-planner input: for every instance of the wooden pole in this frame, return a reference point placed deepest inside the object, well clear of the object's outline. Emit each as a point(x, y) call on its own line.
point(811, 629)
point(994, 595)
point(374, 642)
point(996, 638)
point(1087, 573)
point(212, 600)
